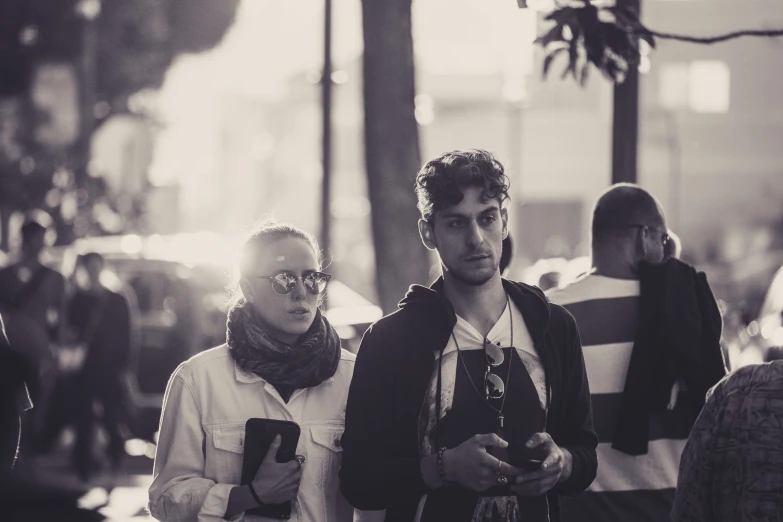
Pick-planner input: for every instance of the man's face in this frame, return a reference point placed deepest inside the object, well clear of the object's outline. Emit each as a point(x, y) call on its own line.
point(468, 237)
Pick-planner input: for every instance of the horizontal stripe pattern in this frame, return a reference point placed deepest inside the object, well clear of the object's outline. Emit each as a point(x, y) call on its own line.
point(606, 321)
point(594, 287)
point(627, 487)
point(657, 469)
point(664, 424)
point(618, 506)
point(607, 366)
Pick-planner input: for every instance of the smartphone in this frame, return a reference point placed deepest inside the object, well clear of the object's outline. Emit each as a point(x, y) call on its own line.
point(530, 465)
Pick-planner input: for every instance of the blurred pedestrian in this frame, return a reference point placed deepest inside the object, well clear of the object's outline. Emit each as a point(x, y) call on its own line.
point(32, 301)
point(93, 366)
point(282, 360)
point(14, 400)
point(731, 467)
point(651, 336)
point(470, 402)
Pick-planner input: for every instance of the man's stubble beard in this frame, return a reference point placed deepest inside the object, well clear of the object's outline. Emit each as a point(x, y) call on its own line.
point(456, 274)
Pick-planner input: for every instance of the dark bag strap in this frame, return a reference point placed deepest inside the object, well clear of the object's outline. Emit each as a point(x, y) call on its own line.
point(20, 298)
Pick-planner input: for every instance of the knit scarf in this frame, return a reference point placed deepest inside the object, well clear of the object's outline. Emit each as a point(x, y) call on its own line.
point(305, 364)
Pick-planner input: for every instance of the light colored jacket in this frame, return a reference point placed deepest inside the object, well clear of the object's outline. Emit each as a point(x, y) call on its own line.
point(200, 446)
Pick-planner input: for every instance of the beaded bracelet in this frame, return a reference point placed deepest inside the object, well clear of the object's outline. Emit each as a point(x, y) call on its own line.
point(441, 470)
point(254, 494)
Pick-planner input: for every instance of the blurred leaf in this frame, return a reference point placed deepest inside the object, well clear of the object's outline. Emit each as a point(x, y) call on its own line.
point(648, 37)
point(199, 25)
point(554, 34)
point(573, 57)
point(609, 37)
point(584, 75)
point(550, 58)
point(561, 16)
point(588, 18)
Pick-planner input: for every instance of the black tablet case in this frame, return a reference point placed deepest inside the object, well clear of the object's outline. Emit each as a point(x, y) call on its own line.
point(259, 434)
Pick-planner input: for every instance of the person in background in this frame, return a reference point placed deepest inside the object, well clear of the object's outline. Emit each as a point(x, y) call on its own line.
point(282, 360)
point(650, 332)
point(14, 400)
point(32, 302)
point(100, 319)
point(732, 465)
point(467, 376)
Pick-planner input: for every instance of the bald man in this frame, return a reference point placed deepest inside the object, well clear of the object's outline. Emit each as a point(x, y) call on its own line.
point(641, 411)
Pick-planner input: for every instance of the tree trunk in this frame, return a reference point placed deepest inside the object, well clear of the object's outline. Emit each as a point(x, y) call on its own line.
point(392, 148)
point(625, 119)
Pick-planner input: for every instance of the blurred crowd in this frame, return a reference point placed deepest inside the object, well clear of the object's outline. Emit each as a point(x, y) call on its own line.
point(73, 339)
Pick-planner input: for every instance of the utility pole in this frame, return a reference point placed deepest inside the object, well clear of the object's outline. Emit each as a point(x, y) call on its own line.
point(326, 160)
point(88, 11)
point(625, 119)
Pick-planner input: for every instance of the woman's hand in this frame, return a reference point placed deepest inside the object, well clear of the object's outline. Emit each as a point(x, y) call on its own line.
point(274, 482)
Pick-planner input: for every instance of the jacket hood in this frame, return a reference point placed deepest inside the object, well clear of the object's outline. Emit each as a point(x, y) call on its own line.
point(530, 300)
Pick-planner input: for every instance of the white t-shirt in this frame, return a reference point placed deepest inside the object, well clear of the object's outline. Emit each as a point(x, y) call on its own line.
point(470, 339)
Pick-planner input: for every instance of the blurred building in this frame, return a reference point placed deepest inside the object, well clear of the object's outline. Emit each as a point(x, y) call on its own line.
point(708, 132)
point(708, 128)
point(711, 117)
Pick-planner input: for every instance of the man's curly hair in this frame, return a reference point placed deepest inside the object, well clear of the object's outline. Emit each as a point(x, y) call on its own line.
point(441, 182)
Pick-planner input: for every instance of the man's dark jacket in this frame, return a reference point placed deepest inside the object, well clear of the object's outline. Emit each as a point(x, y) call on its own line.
point(381, 459)
point(679, 335)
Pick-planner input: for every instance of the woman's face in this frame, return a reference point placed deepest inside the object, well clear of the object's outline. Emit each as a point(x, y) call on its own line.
point(284, 317)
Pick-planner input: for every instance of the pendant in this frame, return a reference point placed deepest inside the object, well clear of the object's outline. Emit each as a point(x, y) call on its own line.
point(500, 420)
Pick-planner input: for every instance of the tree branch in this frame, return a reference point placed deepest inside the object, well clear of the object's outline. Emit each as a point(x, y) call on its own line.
point(716, 39)
point(608, 37)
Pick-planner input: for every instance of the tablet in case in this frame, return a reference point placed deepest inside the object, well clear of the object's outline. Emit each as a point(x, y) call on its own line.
point(259, 434)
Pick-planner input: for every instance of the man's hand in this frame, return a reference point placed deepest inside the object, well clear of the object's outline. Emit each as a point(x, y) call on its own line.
point(274, 482)
point(555, 468)
point(472, 467)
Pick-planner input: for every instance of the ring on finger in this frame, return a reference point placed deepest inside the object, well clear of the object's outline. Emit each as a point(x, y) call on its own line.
point(501, 477)
point(300, 459)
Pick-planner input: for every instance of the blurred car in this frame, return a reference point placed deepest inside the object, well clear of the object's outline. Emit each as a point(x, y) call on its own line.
point(178, 288)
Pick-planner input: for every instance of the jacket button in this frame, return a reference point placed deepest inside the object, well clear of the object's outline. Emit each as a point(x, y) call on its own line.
point(337, 442)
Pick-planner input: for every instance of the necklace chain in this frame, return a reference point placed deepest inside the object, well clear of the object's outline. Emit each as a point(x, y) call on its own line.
point(508, 374)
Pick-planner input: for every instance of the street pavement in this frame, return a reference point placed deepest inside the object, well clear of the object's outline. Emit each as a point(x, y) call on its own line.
point(47, 489)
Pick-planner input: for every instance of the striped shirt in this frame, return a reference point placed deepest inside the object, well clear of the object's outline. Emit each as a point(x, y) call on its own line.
point(627, 488)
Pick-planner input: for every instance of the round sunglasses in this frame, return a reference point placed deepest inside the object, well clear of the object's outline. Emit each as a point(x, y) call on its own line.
point(284, 282)
point(494, 388)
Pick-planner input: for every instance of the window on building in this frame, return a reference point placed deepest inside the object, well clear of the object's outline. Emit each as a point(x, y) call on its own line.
point(701, 86)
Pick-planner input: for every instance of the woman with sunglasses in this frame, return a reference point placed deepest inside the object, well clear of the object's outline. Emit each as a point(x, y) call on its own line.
point(282, 360)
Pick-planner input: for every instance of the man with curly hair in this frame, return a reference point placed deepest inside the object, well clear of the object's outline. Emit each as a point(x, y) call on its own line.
point(470, 402)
